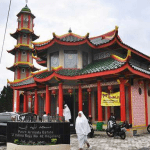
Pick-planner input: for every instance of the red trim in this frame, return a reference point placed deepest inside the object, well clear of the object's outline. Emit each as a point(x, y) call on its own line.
point(60, 100)
point(28, 56)
point(13, 99)
point(80, 98)
point(47, 104)
point(18, 102)
point(146, 109)
point(18, 73)
point(122, 100)
point(21, 38)
point(25, 103)
point(19, 56)
point(130, 108)
point(132, 50)
point(36, 103)
point(21, 20)
point(99, 92)
point(41, 62)
point(27, 72)
point(24, 86)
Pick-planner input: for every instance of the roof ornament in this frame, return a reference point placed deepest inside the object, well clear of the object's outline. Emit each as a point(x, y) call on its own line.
point(70, 31)
point(116, 28)
point(26, 1)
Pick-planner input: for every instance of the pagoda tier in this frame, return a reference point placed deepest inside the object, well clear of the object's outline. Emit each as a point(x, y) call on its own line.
point(26, 31)
point(110, 40)
point(22, 65)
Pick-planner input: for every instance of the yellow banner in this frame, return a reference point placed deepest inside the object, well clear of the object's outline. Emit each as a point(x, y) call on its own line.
point(110, 99)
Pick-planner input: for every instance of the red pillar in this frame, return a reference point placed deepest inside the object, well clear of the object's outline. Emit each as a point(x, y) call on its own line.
point(60, 100)
point(108, 112)
point(18, 102)
point(130, 108)
point(99, 93)
point(47, 104)
point(80, 97)
point(90, 105)
point(36, 103)
point(122, 100)
point(25, 103)
point(146, 112)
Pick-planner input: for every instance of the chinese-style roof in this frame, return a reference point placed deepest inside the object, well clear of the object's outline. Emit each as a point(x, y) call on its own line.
point(25, 10)
point(22, 65)
point(24, 30)
point(40, 61)
point(27, 81)
point(24, 46)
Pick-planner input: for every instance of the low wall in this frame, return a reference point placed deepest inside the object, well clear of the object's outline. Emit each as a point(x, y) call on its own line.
point(11, 146)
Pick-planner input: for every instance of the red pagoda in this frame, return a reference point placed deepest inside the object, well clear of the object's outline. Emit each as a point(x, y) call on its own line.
point(96, 75)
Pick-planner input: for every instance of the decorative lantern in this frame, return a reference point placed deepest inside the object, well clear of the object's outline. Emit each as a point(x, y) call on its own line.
point(89, 90)
point(42, 95)
point(54, 92)
point(140, 82)
point(110, 88)
point(70, 91)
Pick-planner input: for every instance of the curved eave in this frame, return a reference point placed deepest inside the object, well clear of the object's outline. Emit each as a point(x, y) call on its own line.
point(24, 86)
point(24, 47)
point(91, 75)
point(22, 12)
point(25, 30)
point(42, 63)
point(12, 68)
point(13, 51)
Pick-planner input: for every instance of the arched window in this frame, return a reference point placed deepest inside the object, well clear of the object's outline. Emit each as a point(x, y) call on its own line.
point(24, 36)
point(23, 70)
point(23, 53)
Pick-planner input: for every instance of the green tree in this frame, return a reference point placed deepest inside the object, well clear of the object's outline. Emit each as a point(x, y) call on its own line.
point(6, 99)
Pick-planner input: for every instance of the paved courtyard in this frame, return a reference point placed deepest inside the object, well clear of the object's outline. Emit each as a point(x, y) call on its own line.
point(103, 142)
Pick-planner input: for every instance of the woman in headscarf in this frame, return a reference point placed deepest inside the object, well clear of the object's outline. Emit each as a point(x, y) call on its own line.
point(82, 129)
point(67, 113)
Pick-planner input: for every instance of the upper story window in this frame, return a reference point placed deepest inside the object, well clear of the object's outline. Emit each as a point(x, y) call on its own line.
point(26, 19)
point(23, 70)
point(70, 59)
point(54, 59)
point(24, 36)
point(23, 53)
point(84, 59)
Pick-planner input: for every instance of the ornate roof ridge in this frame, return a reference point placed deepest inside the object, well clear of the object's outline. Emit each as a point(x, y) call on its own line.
point(26, 45)
point(38, 72)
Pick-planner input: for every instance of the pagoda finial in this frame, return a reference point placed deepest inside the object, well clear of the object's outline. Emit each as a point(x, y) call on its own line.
point(26, 1)
point(116, 27)
point(70, 30)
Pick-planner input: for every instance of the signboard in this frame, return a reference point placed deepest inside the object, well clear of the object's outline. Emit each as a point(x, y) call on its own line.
point(36, 132)
point(110, 99)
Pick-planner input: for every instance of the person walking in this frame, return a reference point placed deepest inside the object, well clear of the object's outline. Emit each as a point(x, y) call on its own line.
point(82, 129)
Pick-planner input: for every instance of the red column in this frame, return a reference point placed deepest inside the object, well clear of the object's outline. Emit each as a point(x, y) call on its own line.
point(60, 100)
point(80, 97)
point(130, 108)
point(90, 105)
point(18, 102)
point(146, 112)
point(36, 103)
point(122, 100)
point(99, 93)
point(108, 112)
point(47, 104)
point(25, 103)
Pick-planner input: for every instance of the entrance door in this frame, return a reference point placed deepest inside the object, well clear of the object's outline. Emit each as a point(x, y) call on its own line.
point(70, 102)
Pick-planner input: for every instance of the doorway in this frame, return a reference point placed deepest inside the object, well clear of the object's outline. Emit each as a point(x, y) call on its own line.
point(69, 100)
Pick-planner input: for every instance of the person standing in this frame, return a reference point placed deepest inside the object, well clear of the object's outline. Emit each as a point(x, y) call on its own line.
point(82, 129)
point(66, 113)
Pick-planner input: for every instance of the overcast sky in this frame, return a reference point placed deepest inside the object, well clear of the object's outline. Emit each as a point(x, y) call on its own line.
point(94, 16)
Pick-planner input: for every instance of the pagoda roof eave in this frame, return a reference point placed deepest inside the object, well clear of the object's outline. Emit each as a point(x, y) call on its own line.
point(24, 30)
